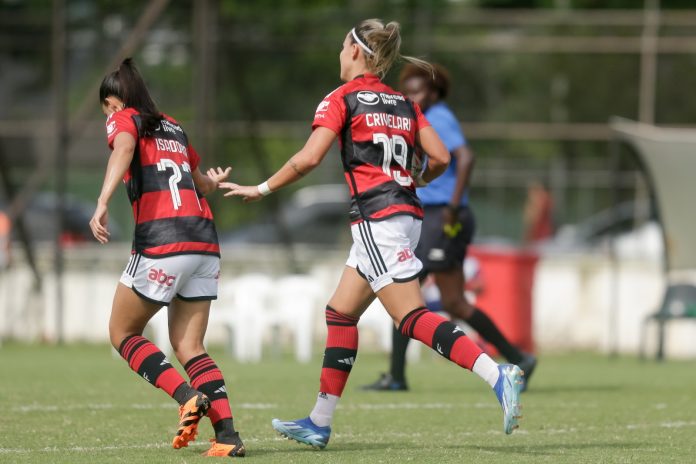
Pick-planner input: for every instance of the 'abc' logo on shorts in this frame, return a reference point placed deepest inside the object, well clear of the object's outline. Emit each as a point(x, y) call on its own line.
point(158, 275)
point(368, 98)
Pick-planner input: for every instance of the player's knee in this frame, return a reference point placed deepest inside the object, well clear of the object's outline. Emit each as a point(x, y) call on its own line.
point(118, 334)
point(187, 349)
point(334, 316)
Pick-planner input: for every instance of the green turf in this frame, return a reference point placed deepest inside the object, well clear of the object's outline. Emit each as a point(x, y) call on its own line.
point(80, 404)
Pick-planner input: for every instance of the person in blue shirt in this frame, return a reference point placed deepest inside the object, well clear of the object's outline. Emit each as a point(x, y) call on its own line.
point(448, 227)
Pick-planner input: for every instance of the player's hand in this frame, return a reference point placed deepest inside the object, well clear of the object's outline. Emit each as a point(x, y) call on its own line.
point(450, 219)
point(248, 193)
point(219, 175)
point(99, 222)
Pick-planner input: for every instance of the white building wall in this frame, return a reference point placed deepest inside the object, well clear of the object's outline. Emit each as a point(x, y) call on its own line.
point(573, 306)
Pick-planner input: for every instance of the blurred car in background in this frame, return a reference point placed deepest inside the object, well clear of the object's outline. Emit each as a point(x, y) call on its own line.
point(316, 215)
point(41, 219)
point(633, 225)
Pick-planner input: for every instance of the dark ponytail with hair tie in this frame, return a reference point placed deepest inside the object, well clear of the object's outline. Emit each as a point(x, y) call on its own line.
point(127, 84)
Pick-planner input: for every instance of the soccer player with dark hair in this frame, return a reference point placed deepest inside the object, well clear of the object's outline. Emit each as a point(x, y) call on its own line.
point(448, 227)
point(378, 131)
point(175, 259)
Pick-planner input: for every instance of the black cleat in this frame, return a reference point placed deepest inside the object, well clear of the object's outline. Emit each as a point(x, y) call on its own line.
point(528, 363)
point(386, 383)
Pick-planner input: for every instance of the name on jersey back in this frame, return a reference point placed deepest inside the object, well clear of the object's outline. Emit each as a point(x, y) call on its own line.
point(388, 120)
point(171, 146)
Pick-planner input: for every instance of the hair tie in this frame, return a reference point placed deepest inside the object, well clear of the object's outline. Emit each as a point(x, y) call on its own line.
point(361, 43)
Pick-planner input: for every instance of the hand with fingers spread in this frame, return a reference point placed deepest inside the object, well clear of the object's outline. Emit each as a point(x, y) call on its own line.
point(248, 193)
point(99, 222)
point(219, 175)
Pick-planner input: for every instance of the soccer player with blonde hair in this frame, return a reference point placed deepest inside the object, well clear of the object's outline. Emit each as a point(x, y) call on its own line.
point(379, 131)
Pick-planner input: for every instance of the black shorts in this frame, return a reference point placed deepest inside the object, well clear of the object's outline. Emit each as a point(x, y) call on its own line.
point(437, 250)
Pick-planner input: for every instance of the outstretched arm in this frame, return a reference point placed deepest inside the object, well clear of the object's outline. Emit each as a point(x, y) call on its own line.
point(120, 159)
point(303, 162)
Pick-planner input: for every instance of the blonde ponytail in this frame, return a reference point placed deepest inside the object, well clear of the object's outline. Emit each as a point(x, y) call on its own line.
point(381, 44)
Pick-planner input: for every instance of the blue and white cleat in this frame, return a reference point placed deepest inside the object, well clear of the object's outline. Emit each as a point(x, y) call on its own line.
point(303, 431)
point(507, 389)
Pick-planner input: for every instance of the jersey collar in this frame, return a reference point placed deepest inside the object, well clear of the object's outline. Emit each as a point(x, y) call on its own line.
point(368, 76)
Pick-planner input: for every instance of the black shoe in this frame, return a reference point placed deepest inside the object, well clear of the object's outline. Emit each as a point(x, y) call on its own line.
point(528, 363)
point(386, 383)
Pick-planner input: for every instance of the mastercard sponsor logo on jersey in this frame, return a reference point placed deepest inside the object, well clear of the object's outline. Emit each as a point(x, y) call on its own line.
point(390, 98)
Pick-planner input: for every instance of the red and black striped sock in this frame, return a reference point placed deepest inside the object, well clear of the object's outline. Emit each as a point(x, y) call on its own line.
point(441, 335)
point(206, 377)
point(341, 351)
point(150, 363)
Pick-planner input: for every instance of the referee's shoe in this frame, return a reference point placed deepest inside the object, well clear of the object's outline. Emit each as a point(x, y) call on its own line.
point(386, 383)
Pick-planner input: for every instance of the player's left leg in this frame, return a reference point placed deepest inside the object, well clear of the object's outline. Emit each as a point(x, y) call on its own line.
point(451, 342)
point(129, 316)
point(450, 282)
point(188, 321)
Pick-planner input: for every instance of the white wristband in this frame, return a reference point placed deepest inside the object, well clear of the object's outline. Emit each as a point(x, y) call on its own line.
point(264, 189)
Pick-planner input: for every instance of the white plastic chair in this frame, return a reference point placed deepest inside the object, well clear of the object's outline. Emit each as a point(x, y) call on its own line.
point(297, 304)
point(247, 321)
point(376, 320)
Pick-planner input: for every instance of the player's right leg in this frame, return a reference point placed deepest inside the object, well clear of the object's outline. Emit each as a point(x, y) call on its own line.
point(188, 322)
point(352, 296)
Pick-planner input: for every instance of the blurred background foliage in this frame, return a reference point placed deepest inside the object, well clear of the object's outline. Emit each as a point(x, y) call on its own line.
point(244, 78)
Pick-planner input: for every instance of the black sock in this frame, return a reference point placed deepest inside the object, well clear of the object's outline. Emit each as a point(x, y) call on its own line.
point(482, 324)
point(398, 355)
point(183, 393)
point(224, 431)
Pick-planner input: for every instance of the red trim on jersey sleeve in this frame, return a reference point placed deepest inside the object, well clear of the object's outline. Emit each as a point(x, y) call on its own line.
point(120, 121)
point(420, 118)
point(331, 112)
point(193, 158)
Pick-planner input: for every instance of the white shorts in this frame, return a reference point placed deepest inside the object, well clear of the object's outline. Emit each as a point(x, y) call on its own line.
point(159, 280)
point(383, 251)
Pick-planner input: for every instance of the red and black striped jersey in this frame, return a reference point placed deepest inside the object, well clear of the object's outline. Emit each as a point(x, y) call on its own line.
point(171, 216)
point(377, 129)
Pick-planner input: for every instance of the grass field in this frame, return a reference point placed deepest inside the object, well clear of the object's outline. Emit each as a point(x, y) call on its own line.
point(80, 404)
